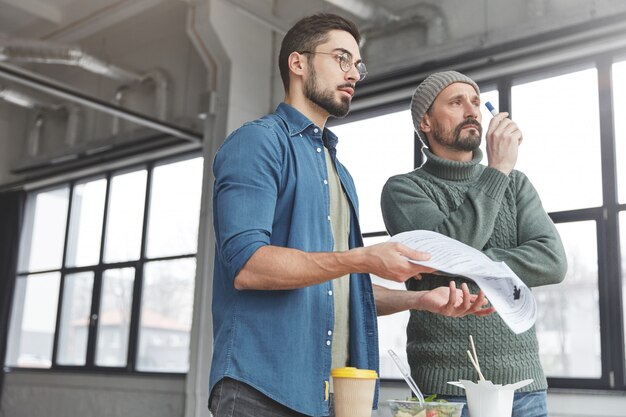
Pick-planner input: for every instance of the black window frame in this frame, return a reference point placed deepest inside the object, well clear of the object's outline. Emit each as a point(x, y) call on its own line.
point(98, 271)
point(606, 217)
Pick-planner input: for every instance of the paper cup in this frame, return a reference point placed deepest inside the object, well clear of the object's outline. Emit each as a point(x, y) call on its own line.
point(354, 391)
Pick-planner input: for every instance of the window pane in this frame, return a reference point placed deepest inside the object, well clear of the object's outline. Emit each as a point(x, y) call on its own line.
point(114, 317)
point(83, 247)
point(166, 310)
point(44, 230)
point(75, 314)
point(560, 114)
point(619, 102)
point(373, 150)
point(568, 322)
point(175, 208)
point(125, 217)
point(33, 319)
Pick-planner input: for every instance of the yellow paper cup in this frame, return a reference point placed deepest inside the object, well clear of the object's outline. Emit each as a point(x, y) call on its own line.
point(354, 391)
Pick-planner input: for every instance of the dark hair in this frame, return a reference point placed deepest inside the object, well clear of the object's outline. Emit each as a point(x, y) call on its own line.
point(307, 34)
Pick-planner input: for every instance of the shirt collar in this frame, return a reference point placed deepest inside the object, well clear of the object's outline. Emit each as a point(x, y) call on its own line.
point(297, 123)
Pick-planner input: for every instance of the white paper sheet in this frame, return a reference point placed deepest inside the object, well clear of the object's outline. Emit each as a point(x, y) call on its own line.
point(512, 298)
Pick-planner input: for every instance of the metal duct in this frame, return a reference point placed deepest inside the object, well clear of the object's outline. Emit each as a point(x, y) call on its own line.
point(381, 21)
point(364, 10)
point(32, 51)
point(22, 50)
point(57, 89)
point(427, 15)
point(24, 100)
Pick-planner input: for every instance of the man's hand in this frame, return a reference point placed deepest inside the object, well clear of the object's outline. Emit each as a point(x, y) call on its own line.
point(503, 140)
point(452, 302)
point(390, 260)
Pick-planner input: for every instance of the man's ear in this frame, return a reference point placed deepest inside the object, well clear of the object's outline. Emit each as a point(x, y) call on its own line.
point(297, 63)
point(425, 125)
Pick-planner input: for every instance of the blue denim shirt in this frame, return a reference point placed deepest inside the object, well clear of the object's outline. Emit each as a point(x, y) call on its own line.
point(270, 189)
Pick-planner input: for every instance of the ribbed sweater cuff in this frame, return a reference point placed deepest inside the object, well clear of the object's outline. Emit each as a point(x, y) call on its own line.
point(493, 183)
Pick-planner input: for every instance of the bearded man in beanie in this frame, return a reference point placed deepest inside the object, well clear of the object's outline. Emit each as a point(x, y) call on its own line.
point(494, 209)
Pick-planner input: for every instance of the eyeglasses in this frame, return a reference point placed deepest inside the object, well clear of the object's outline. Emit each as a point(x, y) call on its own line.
point(345, 62)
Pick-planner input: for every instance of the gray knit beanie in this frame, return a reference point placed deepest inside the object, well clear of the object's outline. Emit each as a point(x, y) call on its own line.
point(427, 92)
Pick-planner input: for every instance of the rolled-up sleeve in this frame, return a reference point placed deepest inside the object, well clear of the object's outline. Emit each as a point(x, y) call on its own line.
point(247, 180)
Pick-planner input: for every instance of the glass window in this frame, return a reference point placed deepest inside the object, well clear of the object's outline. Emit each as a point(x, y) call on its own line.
point(75, 318)
point(391, 328)
point(619, 110)
point(166, 312)
point(373, 150)
point(568, 320)
point(559, 116)
point(175, 208)
point(125, 217)
point(43, 237)
point(33, 320)
point(83, 246)
point(114, 317)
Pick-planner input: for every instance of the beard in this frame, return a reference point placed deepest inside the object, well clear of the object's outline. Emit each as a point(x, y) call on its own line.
point(457, 139)
point(326, 99)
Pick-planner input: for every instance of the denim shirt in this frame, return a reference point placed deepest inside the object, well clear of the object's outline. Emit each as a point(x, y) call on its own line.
point(271, 189)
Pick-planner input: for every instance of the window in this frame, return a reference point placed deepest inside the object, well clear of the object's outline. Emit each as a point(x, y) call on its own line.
point(568, 319)
point(556, 121)
point(385, 142)
point(567, 153)
point(118, 251)
point(619, 103)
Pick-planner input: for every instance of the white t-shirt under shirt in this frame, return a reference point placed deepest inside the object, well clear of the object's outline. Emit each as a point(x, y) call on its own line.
point(340, 224)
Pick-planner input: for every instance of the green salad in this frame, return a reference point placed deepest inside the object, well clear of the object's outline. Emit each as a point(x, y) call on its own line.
point(430, 408)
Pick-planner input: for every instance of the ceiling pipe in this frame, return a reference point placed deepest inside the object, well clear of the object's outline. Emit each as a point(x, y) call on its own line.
point(32, 51)
point(365, 11)
point(57, 89)
point(262, 17)
point(25, 100)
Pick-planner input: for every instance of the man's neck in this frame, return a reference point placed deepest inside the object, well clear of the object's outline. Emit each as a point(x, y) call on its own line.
point(451, 154)
point(311, 110)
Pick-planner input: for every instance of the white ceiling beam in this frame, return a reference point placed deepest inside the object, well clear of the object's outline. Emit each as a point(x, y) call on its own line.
point(39, 8)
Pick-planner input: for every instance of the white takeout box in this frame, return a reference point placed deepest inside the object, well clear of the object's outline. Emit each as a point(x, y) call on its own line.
point(486, 399)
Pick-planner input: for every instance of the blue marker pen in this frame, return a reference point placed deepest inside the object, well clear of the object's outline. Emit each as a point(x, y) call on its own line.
point(491, 108)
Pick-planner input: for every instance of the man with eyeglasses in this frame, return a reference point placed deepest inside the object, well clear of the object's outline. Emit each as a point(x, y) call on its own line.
point(292, 298)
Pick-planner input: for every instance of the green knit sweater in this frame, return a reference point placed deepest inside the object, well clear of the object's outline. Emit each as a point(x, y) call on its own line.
point(503, 217)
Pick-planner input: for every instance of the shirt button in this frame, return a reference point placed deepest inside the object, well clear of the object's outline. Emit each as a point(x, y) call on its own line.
point(328, 217)
point(328, 343)
point(300, 134)
point(316, 130)
point(330, 292)
point(330, 332)
point(319, 150)
point(325, 182)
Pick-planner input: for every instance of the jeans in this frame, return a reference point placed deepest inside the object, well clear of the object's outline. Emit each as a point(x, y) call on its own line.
point(232, 398)
point(525, 404)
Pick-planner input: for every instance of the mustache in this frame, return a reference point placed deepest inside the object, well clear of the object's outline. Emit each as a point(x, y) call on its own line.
point(350, 85)
point(469, 122)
